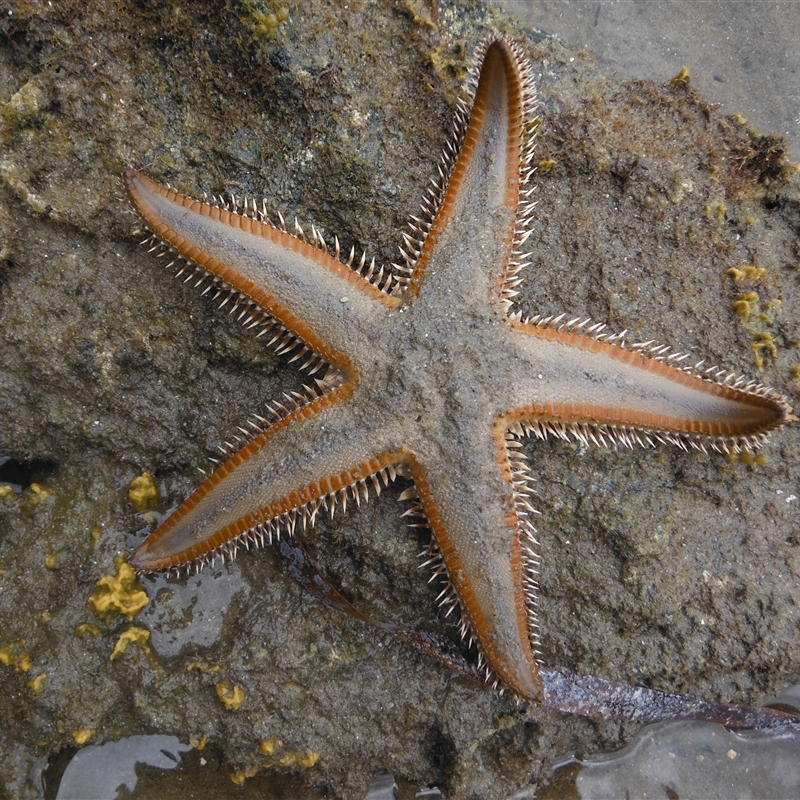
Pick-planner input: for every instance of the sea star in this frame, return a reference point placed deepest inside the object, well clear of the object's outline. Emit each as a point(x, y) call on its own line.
point(430, 373)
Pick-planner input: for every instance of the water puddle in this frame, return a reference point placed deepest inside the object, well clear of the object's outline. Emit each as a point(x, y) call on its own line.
point(101, 772)
point(673, 760)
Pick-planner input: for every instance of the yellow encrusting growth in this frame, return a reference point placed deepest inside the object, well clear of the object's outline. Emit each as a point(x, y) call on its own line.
point(750, 458)
point(755, 313)
point(15, 655)
point(306, 759)
point(37, 684)
point(267, 747)
point(82, 735)
point(141, 491)
point(764, 342)
point(87, 628)
point(263, 24)
point(717, 211)
point(231, 697)
point(742, 303)
point(681, 80)
point(120, 593)
point(198, 742)
point(239, 776)
point(746, 272)
point(202, 666)
point(133, 635)
point(38, 493)
point(5, 491)
point(287, 758)
point(421, 11)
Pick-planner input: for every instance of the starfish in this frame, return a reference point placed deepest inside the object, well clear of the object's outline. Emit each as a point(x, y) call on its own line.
point(427, 371)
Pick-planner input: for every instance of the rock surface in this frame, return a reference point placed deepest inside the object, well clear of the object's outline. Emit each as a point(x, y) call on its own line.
point(678, 571)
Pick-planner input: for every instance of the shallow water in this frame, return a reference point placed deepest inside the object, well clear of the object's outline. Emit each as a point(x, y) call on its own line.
point(674, 760)
point(99, 773)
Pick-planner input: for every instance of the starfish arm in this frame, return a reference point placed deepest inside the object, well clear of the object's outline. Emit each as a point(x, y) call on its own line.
point(321, 300)
point(316, 456)
point(477, 215)
point(597, 390)
point(471, 508)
